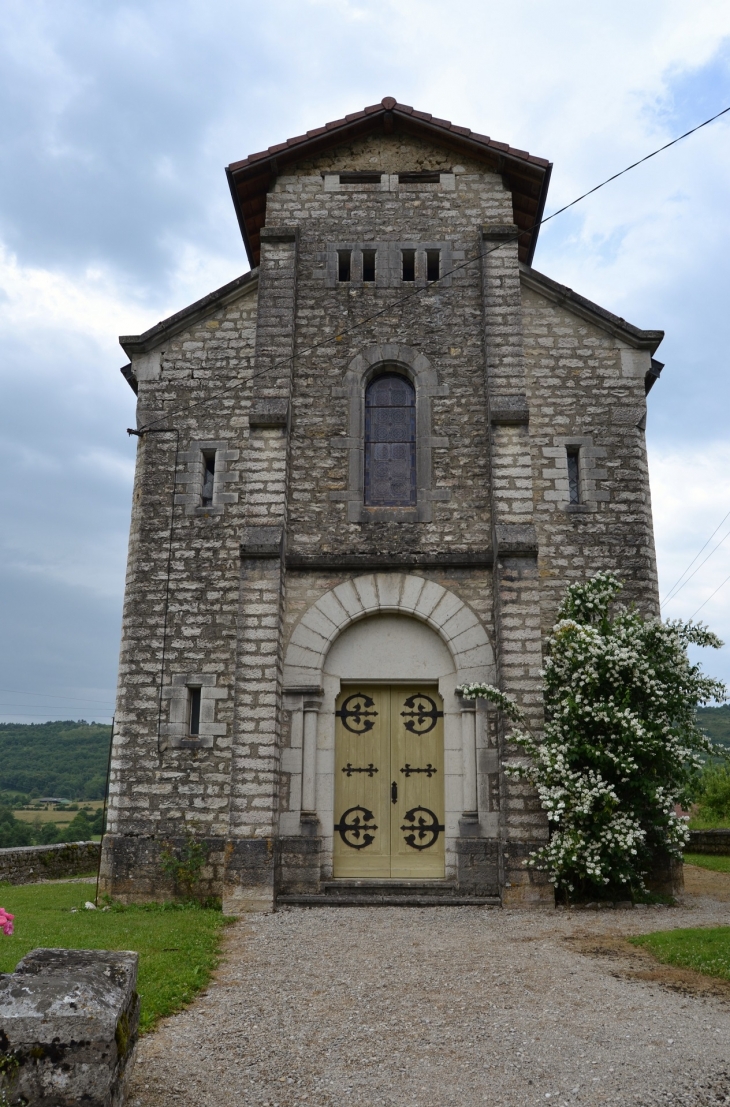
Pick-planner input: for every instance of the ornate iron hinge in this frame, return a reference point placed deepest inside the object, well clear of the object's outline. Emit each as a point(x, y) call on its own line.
point(408, 770)
point(350, 769)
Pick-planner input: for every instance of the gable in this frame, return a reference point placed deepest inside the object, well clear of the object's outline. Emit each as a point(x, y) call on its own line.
point(585, 309)
point(526, 176)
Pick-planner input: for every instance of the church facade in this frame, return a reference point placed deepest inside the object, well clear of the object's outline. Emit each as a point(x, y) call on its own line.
point(366, 472)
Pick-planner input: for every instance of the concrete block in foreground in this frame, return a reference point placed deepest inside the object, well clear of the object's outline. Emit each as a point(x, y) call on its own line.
point(68, 1027)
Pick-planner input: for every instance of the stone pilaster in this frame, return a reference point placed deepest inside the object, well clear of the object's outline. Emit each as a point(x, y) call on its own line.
point(516, 582)
point(251, 852)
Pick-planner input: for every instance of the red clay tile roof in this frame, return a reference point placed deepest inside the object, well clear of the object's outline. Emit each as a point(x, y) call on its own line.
point(524, 174)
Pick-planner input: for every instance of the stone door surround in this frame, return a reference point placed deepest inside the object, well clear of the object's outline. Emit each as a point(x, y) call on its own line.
point(392, 593)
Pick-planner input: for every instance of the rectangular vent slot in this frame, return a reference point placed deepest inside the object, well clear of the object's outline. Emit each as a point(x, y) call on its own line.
point(368, 265)
point(360, 178)
point(424, 177)
point(344, 259)
point(433, 265)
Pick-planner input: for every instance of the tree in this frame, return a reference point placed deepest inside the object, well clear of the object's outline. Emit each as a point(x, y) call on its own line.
point(621, 744)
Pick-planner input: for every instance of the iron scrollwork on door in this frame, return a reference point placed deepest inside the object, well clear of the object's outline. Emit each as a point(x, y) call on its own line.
point(422, 714)
point(350, 769)
point(423, 829)
point(357, 714)
point(356, 833)
point(408, 770)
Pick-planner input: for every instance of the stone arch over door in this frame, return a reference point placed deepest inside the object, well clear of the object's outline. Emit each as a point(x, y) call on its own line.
point(392, 593)
point(390, 356)
point(311, 688)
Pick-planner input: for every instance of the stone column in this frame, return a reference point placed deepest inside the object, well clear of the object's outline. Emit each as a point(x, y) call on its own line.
point(515, 574)
point(251, 847)
point(469, 758)
point(309, 760)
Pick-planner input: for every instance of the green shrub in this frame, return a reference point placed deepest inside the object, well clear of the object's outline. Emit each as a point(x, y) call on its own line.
point(183, 861)
point(713, 794)
point(621, 745)
point(12, 831)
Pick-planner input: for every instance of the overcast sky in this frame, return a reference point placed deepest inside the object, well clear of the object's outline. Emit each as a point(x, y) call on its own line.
point(116, 123)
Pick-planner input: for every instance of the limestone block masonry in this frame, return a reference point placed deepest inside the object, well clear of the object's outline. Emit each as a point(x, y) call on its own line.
point(68, 1028)
point(264, 575)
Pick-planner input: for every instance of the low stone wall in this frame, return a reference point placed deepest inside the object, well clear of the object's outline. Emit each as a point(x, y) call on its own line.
point(30, 864)
point(709, 841)
point(68, 1028)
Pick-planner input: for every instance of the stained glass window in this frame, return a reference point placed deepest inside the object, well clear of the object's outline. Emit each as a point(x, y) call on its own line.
point(390, 442)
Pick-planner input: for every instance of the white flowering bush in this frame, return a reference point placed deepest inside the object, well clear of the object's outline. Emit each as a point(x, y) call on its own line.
point(621, 744)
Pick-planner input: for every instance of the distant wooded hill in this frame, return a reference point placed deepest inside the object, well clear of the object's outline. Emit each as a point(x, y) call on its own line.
point(69, 759)
point(715, 721)
point(66, 759)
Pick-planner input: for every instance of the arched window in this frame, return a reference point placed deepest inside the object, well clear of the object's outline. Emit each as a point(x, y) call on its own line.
point(390, 442)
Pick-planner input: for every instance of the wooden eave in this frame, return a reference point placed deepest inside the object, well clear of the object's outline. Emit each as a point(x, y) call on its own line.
point(592, 313)
point(526, 176)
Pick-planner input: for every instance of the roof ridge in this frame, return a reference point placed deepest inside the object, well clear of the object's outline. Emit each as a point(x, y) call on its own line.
point(395, 107)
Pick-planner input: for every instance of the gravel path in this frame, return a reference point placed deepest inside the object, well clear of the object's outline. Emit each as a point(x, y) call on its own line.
point(439, 1006)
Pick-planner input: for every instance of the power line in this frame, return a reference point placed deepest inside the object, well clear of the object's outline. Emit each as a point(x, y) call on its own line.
point(410, 296)
point(41, 706)
point(47, 715)
point(703, 562)
point(51, 696)
point(709, 597)
point(695, 557)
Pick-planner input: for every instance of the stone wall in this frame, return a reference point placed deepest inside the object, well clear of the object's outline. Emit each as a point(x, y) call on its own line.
point(271, 377)
point(587, 390)
point(443, 324)
point(31, 864)
point(181, 615)
point(709, 841)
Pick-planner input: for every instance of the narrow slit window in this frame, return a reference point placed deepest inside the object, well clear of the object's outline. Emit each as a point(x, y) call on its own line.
point(390, 442)
point(368, 265)
point(409, 265)
point(194, 712)
point(344, 265)
point(433, 265)
point(574, 476)
point(208, 477)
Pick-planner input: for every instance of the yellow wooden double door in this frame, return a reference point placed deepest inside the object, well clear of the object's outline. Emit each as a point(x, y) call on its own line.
point(389, 783)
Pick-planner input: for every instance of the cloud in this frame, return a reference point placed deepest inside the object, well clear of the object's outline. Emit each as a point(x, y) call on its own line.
point(690, 499)
point(116, 123)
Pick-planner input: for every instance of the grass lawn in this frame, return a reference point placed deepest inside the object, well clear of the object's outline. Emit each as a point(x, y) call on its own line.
point(707, 950)
point(718, 862)
point(696, 823)
point(177, 945)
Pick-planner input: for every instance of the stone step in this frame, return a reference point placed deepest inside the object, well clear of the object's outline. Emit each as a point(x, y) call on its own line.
point(389, 887)
point(378, 899)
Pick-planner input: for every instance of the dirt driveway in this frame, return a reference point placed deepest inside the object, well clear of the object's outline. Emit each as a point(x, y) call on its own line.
point(439, 1006)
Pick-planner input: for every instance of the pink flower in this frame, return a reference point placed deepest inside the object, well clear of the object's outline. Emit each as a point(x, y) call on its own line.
point(6, 922)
